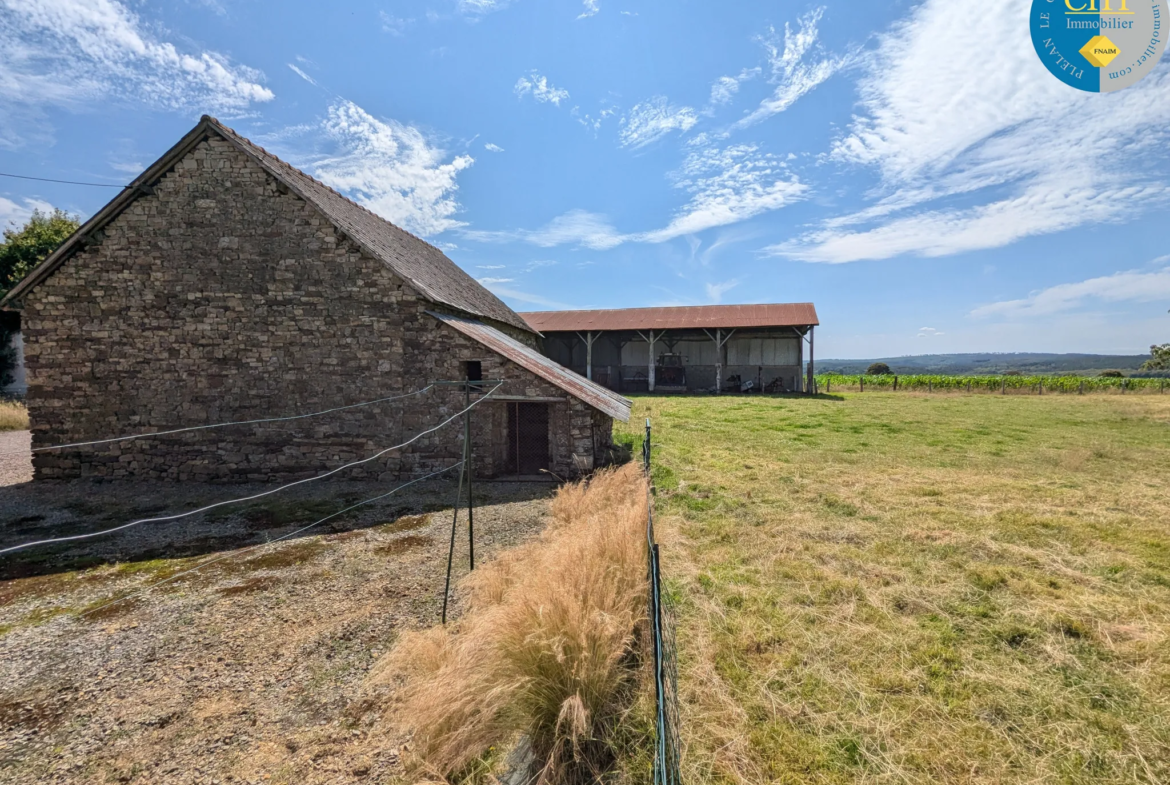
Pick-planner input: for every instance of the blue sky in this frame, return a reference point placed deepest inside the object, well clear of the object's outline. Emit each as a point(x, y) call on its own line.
point(909, 167)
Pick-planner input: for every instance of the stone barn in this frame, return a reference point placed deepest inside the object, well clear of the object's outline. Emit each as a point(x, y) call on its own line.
point(225, 285)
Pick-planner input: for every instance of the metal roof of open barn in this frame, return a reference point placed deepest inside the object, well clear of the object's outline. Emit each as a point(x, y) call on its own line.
point(422, 265)
point(526, 357)
point(678, 318)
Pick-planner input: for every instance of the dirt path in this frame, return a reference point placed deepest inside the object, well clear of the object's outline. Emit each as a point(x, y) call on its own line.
point(249, 671)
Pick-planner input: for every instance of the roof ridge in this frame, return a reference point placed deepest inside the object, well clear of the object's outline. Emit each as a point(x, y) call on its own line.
point(326, 186)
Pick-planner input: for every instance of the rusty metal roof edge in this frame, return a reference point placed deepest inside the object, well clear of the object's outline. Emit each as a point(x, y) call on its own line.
point(586, 391)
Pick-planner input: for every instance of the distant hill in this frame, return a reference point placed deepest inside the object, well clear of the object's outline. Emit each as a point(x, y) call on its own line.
point(960, 364)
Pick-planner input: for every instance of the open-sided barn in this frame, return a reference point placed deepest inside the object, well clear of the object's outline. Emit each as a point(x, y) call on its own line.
point(225, 285)
point(692, 348)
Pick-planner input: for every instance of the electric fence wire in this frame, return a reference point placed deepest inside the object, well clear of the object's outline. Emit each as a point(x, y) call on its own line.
point(233, 554)
point(222, 424)
point(375, 456)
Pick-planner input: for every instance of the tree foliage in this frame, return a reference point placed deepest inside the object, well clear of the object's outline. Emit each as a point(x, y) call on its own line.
point(1111, 375)
point(1159, 358)
point(878, 369)
point(26, 247)
point(22, 250)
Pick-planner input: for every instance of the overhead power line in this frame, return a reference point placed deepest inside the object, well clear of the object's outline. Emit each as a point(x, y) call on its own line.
point(253, 497)
point(301, 530)
point(64, 182)
point(220, 425)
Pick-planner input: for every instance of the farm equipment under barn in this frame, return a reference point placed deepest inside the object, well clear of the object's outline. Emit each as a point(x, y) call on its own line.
point(670, 373)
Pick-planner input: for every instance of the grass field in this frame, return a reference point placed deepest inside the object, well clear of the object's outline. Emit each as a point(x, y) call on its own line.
point(911, 588)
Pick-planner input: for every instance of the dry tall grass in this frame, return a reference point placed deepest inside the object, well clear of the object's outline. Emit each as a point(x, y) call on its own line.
point(547, 647)
point(13, 416)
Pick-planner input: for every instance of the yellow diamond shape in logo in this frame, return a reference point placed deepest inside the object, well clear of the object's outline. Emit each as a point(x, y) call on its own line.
point(1100, 51)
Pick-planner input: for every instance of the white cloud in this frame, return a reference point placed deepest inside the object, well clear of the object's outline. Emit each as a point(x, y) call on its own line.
point(16, 215)
point(493, 148)
point(128, 167)
point(715, 291)
point(1131, 286)
point(302, 74)
point(491, 266)
point(1013, 143)
point(391, 168)
point(539, 88)
point(651, 120)
point(590, 9)
point(394, 25)
point(928, 332)
point(490, 281)
point(729, 185)
point(725, 87)
point(509, 293)
point(577, 227)
point(797, 67)
point(477, 8)
point(74, 53)
point(594, 123)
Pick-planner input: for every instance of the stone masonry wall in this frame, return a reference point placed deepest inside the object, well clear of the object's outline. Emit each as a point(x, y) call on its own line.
point(224, 297)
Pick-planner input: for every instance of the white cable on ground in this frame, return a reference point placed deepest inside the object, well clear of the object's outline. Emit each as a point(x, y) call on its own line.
point(176, 576)
point(226, 424)
point(375, 456)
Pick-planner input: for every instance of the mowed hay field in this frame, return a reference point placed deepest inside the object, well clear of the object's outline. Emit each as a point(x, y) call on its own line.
point(910, 588)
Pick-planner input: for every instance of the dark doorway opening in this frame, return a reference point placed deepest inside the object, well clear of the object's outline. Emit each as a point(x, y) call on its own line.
point(527, 437)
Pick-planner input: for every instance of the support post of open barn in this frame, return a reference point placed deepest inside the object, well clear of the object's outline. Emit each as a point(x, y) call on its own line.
point(589, 337)
point(649, 339)
point(718, 361)
point(720, 343)
point(811, 386)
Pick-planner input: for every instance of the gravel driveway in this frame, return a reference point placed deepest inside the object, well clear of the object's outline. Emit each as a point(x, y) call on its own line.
point(250, 670)
point(15, 458)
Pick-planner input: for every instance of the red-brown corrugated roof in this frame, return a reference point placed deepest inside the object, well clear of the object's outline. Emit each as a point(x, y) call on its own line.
point(678, 318)
point(574, 384)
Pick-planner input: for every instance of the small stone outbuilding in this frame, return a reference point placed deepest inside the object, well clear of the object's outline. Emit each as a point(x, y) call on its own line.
point(225, 285)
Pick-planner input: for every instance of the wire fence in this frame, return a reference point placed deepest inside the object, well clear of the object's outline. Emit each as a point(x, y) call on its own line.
point(666, 748)
point(290, 535)
point(159, 519)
